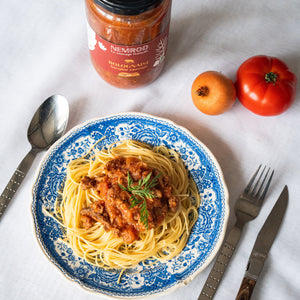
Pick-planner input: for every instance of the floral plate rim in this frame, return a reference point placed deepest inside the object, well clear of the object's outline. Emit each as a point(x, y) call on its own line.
point(179, 283)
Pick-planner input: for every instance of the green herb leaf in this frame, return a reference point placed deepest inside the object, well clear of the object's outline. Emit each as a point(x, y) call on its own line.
point(139, 193)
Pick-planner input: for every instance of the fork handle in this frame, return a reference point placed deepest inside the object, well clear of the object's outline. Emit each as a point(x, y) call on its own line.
point(216, 274)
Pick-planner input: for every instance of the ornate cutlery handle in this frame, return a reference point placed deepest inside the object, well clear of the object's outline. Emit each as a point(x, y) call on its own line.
point(216, 274)
point(16, 180)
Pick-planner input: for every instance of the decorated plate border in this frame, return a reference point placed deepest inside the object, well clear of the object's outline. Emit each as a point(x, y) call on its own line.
point(206, 236)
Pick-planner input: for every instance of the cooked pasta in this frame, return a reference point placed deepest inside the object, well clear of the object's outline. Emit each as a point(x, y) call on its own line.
point(102, 247)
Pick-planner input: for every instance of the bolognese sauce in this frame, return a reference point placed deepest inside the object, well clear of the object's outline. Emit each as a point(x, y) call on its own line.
point(128, 39)
point(115, 209)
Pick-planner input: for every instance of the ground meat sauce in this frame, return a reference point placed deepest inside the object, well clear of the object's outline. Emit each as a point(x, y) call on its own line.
point(128, 39)
point(114, 210)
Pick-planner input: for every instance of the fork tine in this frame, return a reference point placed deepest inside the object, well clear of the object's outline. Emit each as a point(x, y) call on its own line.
point(257, 182)
point(262, 184)
point(247, 189)
point(266, 187)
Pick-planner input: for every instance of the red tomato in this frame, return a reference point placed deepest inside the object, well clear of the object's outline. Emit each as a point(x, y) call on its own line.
point(265, 85)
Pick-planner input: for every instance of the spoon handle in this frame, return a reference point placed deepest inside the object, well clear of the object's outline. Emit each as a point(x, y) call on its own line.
point(16, 180)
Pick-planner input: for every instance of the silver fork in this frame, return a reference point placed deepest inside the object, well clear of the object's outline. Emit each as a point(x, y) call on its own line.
point(246, 209)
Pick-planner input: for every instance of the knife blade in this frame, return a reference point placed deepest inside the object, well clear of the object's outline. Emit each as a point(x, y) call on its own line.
point(263, 245)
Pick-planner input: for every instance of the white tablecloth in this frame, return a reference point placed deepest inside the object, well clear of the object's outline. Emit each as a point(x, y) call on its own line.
point(44, 51)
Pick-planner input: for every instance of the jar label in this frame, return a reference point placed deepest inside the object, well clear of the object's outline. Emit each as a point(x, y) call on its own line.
point(127, 61)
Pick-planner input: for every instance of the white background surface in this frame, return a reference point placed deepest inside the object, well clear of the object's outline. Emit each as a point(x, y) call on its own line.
point(44, 51)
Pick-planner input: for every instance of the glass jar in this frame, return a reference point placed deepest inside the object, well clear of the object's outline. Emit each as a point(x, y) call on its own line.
point(128, 39)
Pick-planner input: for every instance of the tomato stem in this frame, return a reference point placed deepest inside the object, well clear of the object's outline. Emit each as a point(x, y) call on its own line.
point(202, 91)
point(271, 77)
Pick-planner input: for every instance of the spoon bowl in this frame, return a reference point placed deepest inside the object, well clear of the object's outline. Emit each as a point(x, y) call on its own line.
point(47, 125)
point(49, 122)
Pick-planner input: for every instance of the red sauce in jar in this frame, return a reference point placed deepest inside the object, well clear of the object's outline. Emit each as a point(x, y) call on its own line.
point(128, 39)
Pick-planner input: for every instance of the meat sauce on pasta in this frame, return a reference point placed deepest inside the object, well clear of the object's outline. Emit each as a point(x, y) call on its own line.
point(115, 209)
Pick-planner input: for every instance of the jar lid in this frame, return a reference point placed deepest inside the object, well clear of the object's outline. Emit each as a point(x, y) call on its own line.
point(128, 7)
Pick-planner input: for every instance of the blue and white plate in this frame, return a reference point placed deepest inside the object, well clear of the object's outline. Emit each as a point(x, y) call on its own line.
point(141, 281)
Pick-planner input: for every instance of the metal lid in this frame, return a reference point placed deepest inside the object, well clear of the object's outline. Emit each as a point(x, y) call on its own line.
point(128, 7)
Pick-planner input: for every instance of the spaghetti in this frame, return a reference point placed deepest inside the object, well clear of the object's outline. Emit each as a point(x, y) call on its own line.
point(101, 247)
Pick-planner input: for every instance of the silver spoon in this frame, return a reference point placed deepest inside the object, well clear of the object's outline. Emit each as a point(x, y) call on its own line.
point(47, 126)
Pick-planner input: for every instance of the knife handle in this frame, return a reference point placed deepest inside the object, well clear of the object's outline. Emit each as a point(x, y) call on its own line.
point(15, 181)
point(246, 289)
point(216, 274)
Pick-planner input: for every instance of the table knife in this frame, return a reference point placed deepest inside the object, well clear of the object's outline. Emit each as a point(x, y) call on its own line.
point(262, 246)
